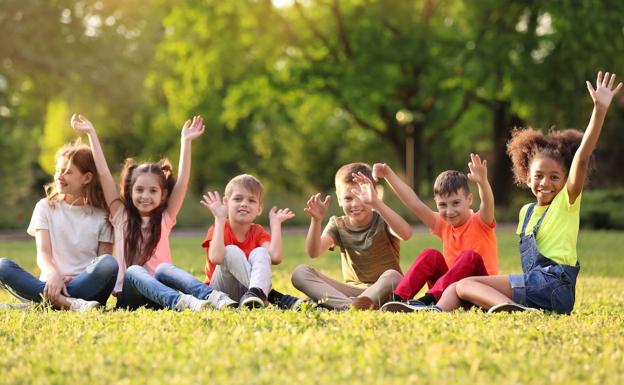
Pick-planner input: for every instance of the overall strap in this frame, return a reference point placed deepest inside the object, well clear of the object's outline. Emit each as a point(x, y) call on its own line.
point(527, 217)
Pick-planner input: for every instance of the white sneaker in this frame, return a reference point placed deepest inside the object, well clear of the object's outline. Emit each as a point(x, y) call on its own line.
point(80, 305)
point(187, 301)
point(219, 300)
point(16, 306)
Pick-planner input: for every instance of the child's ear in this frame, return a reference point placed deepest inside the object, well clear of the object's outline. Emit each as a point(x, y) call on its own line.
point(87, 178)
point(469, 198)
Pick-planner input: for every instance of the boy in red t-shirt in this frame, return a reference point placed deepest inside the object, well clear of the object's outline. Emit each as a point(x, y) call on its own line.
point(468, 238)
point(239, 253)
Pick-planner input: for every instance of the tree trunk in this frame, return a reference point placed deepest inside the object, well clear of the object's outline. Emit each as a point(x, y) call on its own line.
point(501, 175)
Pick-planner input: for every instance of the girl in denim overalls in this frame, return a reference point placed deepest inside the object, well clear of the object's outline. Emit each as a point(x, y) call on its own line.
point(555, 167)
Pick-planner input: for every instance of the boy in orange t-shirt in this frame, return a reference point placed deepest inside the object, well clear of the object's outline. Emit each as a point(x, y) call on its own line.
point(468, 238)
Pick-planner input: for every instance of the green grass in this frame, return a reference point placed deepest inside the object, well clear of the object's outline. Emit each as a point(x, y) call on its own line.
point(321, 347)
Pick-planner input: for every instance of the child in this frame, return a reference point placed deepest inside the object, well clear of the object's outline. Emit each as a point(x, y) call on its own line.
point(468, 238)
point(239, 253)
point(142, 218)
point(74, 239)
point(368, 236)
point(548, 228)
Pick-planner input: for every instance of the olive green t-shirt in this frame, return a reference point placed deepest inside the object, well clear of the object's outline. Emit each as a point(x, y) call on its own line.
point(365, 252)
point(557, 235)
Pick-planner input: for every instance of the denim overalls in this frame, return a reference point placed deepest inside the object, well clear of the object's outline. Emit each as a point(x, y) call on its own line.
point(545, 284)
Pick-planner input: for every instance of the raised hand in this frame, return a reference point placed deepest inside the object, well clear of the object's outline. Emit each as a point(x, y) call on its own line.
point(281, 215)
point(366, 193)
point(215, 204)
point(316, 207)
point(192, 129)
point(604, 92)
point(81, 124)
point(478, 169)
point(380, 170)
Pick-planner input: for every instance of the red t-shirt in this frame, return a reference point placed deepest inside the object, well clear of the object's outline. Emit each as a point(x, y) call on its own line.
point(255, 237)
point(473, 235)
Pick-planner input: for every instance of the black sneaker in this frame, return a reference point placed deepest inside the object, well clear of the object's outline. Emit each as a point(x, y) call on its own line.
point(289, 302)
point(254, 298)
point(510, 307)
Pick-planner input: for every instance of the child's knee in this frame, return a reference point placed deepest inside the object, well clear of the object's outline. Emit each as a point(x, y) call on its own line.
point(162, 270)
point(463, 286)
point(233, 253)
point(391, 277)
point(133, 272)
point(470, 256)
point(5, 268)
point(300, 274)
point(107, 265)
point(260, 254)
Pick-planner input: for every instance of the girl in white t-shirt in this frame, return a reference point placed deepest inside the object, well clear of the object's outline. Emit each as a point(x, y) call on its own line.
point(142, 217)
point(73, 236)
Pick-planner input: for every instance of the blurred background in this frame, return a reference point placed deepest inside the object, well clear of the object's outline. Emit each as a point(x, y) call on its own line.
point(290, 90)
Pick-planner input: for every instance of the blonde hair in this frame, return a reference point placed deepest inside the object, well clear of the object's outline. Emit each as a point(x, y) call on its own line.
point(246, 181)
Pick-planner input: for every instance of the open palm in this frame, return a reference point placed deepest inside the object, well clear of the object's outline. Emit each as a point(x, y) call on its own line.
point(604, 92)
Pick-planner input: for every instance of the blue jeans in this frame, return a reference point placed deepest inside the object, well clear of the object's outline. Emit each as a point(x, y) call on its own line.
point(181, 280)
point(94, 284)
point(142, 289)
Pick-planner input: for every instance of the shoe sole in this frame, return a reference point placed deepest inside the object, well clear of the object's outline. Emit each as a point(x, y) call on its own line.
point(397, 307)
point(252, 303)
point(509, 308)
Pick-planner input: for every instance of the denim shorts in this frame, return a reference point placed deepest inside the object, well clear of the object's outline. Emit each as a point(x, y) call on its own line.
point(548, 288)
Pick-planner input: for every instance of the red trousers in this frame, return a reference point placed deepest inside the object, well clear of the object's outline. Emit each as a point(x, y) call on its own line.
point(430, 268)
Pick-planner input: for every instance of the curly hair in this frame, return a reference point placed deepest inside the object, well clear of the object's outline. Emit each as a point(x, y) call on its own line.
point(138, 250)
point(526, 144)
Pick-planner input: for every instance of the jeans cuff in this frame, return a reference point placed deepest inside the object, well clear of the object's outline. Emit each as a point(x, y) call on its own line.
point(518, 288)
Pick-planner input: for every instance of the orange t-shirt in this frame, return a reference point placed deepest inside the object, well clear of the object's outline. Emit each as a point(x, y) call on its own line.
point(255, 237)
point(473, 235)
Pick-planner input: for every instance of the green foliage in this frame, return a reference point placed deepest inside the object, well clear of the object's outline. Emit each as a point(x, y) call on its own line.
point(56, 132)
point(321, 347)
point(602, 209)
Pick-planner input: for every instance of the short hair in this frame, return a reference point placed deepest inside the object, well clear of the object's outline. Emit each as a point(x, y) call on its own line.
point(450, 182)
point(344, 175)
point(248, 182)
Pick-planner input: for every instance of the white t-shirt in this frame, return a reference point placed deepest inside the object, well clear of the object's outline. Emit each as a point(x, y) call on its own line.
point(75, 234)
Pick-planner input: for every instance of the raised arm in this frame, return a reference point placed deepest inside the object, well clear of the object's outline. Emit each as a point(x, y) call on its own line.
point(276, 218)
point(216, 250)
point(81, 124)
point(405, 194)
point(368, 196)
point(478, 174)
point(602, 96)
point(191, 130)
point(317, 244)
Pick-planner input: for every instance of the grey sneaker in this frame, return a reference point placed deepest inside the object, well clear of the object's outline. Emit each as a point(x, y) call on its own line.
point(510, 307)
point(219, 300)
point(191, 303)
point(80, 305)
point(254, 298)
point(408, 307)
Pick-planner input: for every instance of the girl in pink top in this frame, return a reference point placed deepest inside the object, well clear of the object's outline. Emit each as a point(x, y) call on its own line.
point(142, 217)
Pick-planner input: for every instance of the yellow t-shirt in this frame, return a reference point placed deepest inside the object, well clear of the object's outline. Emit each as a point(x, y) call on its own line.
point(557, 235)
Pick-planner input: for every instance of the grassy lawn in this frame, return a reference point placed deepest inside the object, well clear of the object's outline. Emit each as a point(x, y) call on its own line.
point(321, 347)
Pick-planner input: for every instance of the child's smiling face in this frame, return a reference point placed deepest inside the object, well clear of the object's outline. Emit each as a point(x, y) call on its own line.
point(68, 178)
point(243, 205)
point(454, 208)
point(358, 213)
point(146, 193)
point(547, 177)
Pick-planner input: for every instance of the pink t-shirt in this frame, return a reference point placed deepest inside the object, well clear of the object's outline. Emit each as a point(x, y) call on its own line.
point(162, 252)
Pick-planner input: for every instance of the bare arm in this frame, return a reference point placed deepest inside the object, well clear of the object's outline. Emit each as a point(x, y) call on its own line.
point(216, 250)
point(317, 244)
point(405, 194)
point(81, 124)
point(368, 195)
point(276, 218)
point(55, 285)
point(190, 131)
point(478, 174)
point(602, 97)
